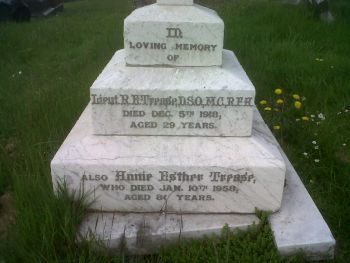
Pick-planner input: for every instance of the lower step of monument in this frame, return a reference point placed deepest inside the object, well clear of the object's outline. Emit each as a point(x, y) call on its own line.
point(297, 227)
point(172, 173)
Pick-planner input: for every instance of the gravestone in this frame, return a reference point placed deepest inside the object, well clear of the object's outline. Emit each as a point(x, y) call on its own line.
point(171, 143)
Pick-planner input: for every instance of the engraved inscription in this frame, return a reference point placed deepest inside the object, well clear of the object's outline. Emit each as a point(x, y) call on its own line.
point(171, 49)
point(182, 186)
point(174, 32)
point(145, 111)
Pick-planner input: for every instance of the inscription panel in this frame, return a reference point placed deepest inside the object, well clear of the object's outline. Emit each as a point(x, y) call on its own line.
point(167, 113)
point(195, 40)
point(174, 189)
point(208, 101)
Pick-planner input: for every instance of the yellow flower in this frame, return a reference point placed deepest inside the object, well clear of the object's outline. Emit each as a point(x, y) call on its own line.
point(263, 102)
point(278, 91)
point(276, 127)
point(296, 97)
point(267, 109)
point(305, 118)
point(297, 104)
point(279, 101)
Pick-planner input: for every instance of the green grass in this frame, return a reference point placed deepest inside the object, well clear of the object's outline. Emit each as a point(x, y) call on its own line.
point(59, 58)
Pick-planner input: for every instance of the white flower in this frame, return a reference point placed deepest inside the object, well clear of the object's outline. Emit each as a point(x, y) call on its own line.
point(316, 147)
point(317, 160)
point(339, 113)
point(321, 116)
point(346, 110)
point(312, 116)
point(297, 119)
point(303, 98)
point(314, 142)
point(305, 153)
point(311, 181)
point(344, 144)
point(20, 72)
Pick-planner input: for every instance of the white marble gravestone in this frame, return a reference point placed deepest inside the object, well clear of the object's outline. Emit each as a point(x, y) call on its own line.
point(169, 130)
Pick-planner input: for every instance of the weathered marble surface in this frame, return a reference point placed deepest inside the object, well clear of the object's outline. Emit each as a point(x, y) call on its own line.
point(230, 110)
point(173, 35)
point(145, 233)
point(175, 2)
point(253, 167)
point(298, 226)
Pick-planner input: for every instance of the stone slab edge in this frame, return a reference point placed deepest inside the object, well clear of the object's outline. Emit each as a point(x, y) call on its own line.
point(297, 227)
point(175, 2)
point(145, 233)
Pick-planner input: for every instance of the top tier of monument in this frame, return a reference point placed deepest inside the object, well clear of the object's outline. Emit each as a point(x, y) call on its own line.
point(173, 33)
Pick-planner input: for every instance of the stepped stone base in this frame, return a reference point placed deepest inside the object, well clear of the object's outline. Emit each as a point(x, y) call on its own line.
point(197, 101)
point(172, 173)
point(298, 226)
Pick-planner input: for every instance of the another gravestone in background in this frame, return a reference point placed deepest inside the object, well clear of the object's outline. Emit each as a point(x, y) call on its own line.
point(321, 8)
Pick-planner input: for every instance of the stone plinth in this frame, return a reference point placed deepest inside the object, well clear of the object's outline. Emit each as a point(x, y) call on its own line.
point(175, 2)
point(198, 101)
point(297, 227)
point(173, 35)
point(171, 173)
point(145, 233)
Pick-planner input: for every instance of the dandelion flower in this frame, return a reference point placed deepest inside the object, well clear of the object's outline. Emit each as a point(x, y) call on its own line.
point(279, 101)
point(276, 127)
point(278, 91)
point(305, 118)
point(267, 109)
point(296, 96)
point(297, 104)
point(317, 160)
point(263, 102)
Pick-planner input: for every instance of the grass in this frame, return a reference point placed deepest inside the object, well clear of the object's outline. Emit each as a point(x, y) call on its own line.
point(47, 66)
